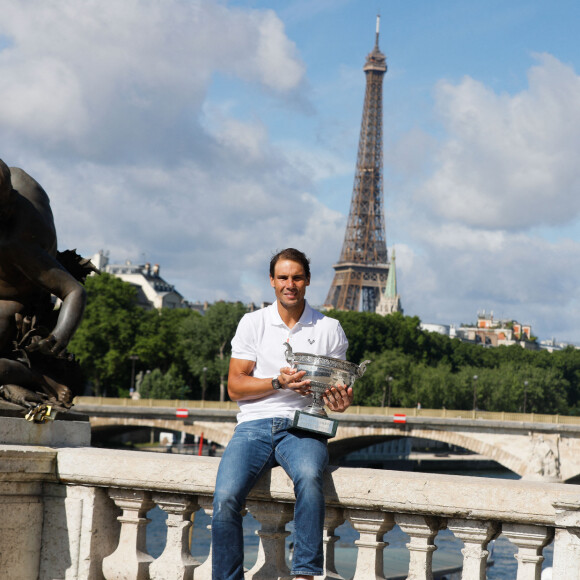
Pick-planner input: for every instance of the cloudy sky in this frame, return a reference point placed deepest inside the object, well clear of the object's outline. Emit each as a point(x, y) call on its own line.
point(204, 135)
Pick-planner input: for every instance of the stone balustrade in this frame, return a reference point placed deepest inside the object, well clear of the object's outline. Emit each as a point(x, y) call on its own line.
point(81, 513)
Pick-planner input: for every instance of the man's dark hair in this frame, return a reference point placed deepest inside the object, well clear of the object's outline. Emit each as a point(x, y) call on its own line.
point(295, 256)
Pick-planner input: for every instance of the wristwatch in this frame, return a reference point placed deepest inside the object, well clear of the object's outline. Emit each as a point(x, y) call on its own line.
point(276, 384)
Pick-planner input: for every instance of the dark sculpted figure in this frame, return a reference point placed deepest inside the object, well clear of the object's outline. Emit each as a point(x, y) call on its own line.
point(35, 368)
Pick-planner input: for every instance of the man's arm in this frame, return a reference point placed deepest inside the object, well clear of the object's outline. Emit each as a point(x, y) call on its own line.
point(243, 386)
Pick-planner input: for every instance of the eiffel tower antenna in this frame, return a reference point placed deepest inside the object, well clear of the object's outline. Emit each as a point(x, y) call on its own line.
point(362, 269)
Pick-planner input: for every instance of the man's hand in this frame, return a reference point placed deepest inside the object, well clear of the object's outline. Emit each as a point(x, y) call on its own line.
point(292, 380)
point(338, 398)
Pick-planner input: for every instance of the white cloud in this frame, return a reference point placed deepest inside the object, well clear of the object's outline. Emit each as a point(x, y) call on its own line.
point(107, 79)
point(453, 273)
point(275, 55)
point(504, 171)
point(110, 106)
point(107, 107)
point(509, 161)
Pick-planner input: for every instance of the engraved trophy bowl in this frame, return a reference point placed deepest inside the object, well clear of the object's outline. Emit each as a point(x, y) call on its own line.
point(323, 372)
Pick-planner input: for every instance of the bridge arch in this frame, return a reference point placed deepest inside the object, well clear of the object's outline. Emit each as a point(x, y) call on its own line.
point(346, 440)
point(349, 439)
point(347, 445)
point(219, 432)
point(518, 449)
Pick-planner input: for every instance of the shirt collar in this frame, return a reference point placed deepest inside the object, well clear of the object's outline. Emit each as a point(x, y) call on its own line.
point(305, 319)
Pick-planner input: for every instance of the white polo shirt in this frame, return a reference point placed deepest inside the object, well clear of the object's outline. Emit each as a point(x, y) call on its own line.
point(260, 337)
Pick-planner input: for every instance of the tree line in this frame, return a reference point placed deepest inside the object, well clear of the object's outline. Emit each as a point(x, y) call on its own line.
point(182, 354)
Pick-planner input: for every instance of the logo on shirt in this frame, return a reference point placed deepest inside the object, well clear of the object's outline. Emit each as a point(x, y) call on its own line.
point(311, 340)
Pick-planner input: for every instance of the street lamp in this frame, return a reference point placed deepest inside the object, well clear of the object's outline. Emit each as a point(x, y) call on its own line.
point(203, 383)
point(389, 385)
point(525, 395)
point(133, 358)
point(474, 392)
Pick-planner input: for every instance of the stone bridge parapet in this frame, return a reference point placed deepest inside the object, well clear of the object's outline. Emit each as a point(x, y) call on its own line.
point(538, 447)
point(81, 514)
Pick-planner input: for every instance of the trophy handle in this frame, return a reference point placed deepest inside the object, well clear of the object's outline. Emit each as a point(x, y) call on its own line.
point(289, 354)
point(363, 367)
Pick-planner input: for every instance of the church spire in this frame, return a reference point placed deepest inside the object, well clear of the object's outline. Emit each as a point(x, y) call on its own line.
point(391, 288)
point(390, 299)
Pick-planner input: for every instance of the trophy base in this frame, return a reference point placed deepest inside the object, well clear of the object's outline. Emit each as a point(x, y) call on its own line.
point(319, 424)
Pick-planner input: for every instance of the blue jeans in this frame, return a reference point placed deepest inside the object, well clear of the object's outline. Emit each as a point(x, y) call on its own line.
point(256, 447)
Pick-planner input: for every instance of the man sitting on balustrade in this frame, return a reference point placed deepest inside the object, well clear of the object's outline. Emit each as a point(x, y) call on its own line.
point(268, 393)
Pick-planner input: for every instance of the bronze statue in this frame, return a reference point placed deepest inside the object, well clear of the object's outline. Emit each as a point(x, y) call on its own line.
point(41, 300)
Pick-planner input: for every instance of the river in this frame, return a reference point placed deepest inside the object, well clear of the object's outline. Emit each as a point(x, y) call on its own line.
point(504, 564)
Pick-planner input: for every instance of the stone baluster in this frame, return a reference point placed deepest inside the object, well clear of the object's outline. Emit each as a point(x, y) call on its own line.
point(333, 518)
point(372, 526)
point(204, 571)
point(271, 561)
point(475, 536)
point(530, 541)
point(130, 561)
point(422, 531)
point(176, 562)
point(567, 541)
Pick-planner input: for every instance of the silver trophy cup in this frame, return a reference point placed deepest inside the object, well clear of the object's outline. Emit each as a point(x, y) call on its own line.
point(323, 372)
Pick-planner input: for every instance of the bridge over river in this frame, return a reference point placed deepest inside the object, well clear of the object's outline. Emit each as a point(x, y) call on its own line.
point(542, 447)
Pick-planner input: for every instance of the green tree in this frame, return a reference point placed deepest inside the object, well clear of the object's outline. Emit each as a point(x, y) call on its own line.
point(106, 335)
point(158, 342)
point(435, 387)
point(428, 368)
point(506, 389)
point(374, 386)
point(207, 344)
point(159, 385)
point(439, 370)
point(567, 361)
point(370, 332)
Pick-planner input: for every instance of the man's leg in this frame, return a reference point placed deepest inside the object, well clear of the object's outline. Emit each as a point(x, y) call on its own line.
point(304, 457)
point(247, 456)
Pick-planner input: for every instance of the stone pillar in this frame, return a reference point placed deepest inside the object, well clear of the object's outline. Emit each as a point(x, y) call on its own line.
point(130, 561)
point(176, 562)
point(372, 526)
point(567, 541)
point(422, 531)
point(475, 536)
point(20, 531)
point(204, 571)
point(80, 529)
point(21, 507)
point(271, 561)
point(530, 541)
point(333, 518)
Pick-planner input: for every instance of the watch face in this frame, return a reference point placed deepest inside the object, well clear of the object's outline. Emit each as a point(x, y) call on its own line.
point(276, 383)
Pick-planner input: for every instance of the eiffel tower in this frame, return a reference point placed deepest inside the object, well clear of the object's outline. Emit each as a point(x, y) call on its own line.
point(361, 273)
